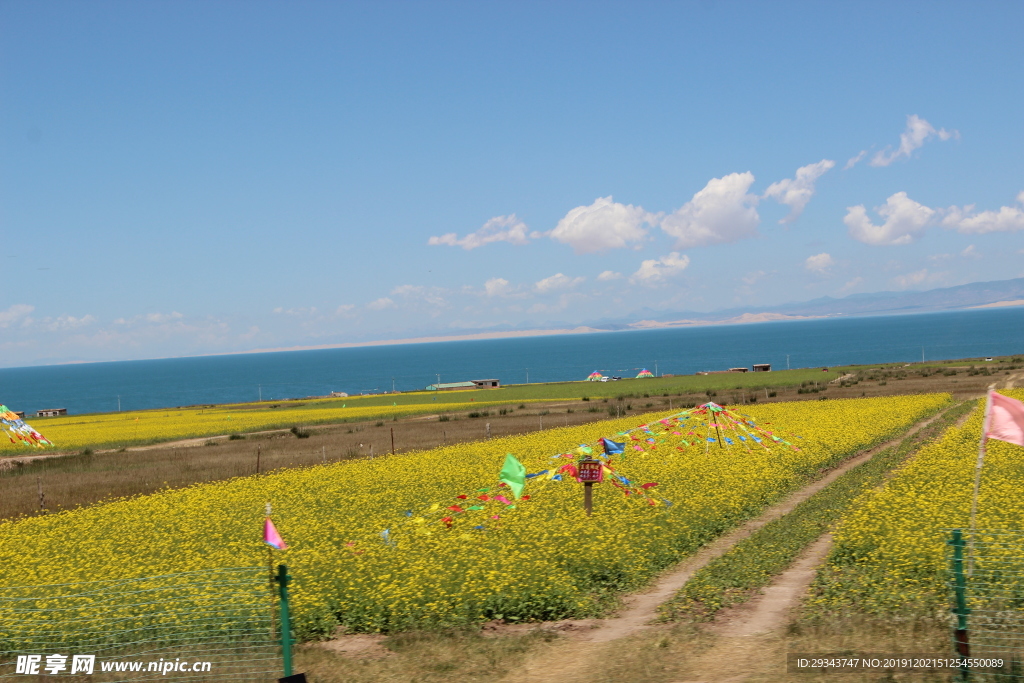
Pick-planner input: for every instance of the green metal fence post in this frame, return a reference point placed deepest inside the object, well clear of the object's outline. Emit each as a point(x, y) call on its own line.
point(283, 580)
point(960, 639)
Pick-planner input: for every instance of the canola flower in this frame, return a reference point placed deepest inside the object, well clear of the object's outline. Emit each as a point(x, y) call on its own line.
point(890, 553)
point(116, 429)
point(538, 557)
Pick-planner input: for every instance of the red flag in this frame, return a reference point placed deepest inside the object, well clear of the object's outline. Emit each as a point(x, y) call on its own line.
point(1005, 419)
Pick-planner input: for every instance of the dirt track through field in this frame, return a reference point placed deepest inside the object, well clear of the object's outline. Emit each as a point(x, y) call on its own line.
point(754, 622)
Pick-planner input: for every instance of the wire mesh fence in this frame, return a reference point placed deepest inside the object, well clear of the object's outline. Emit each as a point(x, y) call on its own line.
point(208, 625)
point(987, 590)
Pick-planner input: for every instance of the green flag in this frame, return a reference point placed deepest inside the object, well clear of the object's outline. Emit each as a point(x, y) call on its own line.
point(514, 474)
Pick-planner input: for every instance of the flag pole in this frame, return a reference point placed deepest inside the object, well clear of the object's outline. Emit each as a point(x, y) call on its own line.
point(977, 478)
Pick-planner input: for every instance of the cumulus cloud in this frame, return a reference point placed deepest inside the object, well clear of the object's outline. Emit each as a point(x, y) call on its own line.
point(796, 192)
point(497, 286)
point(556, 282)
point(654, 272)
point(970, 252)
point(344, 310)
point(904, 219)
point(603, 225)
point(380, 304)
point(965, 220)
point(609, 275)
point(721, 212)
point(498, 229)
point(15, 313)
point(918, 131)
point(819, 263)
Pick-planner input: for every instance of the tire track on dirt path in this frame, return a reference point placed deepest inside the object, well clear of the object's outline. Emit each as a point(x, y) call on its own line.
point(749, 632)
point(575, 657)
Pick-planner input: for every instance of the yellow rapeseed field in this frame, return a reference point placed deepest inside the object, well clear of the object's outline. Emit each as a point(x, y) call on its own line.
point(455, 553)
point(890, 551)
point(116, 429)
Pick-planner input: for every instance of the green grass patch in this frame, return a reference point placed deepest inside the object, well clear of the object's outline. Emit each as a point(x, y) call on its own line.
point(737, 575)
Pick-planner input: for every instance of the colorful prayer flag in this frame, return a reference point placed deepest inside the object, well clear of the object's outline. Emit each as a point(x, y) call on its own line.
point(271, 537)
point(513, 474)
point(1006, 419)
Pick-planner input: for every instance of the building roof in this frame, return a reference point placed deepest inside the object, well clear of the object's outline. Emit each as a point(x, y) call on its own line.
point(452, 385)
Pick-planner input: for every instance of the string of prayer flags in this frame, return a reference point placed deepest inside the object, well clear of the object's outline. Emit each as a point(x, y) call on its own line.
point(17, 430)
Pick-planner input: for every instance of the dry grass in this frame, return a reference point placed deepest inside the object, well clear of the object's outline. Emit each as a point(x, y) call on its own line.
point(423, 657)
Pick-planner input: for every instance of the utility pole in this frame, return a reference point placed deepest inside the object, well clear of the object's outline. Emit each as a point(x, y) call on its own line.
point(261, 393)
point(656, 369)
point(392, 385)
point(922, 354)
point(787, 361)
point(119, 403)
point(527, 375)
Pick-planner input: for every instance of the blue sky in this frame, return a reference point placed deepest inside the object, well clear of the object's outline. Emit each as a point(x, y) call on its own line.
point(179, 178)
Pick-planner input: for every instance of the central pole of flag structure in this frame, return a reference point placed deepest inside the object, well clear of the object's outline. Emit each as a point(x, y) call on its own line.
point(283, 579)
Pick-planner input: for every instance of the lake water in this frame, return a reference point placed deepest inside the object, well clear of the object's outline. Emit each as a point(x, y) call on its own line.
point(97, 387)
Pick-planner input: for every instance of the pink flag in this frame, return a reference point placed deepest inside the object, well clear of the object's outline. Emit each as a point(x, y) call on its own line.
point(1006, 419)
point(271, 537)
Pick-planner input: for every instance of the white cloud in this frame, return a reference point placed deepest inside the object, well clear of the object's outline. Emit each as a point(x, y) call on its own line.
point(918, 132)
point(344, 310)
point(1006, 219)
point(653, 272)
point(752, 278)
point(497, 286)
point(556, 282)
point(605, 224)
point(904, 220)
point(796, 192)
point(970, 252)
point(14, 314)
point(280, 311)
point(851, 284)
point(721, 212)
point(381, 304)
point(429, 295)
point(855, 160)
point(819, 263)
point(68, 322)
point(911, 279)
point(609, 275)
point(498, 229)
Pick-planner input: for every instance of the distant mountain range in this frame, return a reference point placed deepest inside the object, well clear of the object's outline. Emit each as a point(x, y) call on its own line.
point(973, 295)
